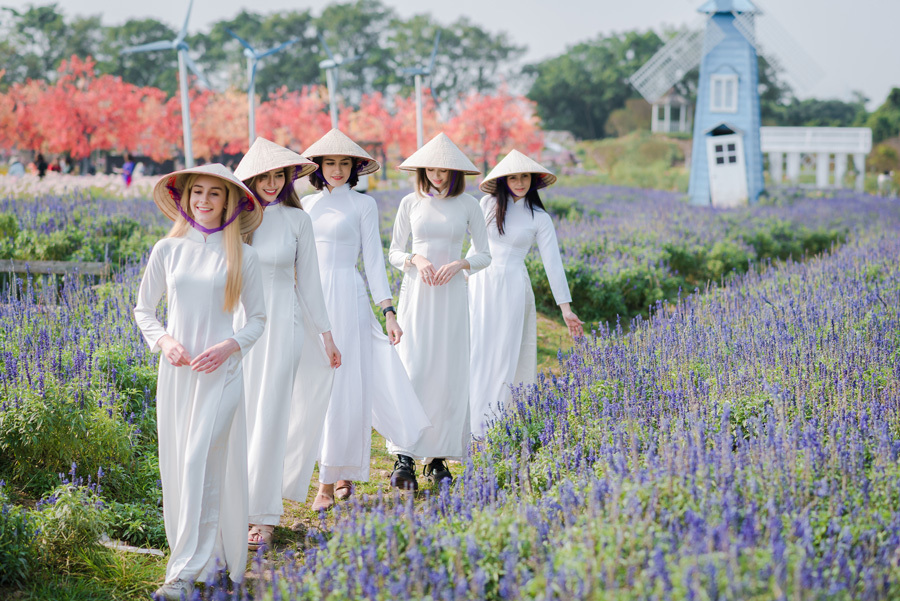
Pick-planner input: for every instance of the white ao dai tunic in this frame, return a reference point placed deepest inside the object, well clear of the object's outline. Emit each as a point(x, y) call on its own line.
point(371, 378)
point(503, 320)
point(289, 266)
point(200, 416)
point(435, 319)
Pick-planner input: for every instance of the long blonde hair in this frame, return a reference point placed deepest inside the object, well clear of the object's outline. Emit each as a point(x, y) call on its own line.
point(234, 250)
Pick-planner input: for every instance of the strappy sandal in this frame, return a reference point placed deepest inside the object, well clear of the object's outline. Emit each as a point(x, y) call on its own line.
point(343, 489)
point(259, 535)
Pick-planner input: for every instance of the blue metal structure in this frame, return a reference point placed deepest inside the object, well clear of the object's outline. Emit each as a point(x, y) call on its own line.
point(727, 100)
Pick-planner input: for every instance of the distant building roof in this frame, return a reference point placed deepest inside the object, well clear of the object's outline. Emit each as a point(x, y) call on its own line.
point(728, 6)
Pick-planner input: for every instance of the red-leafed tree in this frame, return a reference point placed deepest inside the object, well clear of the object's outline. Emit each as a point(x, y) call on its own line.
point(294, 119)
point(219, 123)
point(404, 123)
point(488, 125)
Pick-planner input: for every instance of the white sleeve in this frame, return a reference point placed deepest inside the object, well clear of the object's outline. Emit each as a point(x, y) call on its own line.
point(372, 251)
point(153, 284)
point(306, 272)
point(548, 246)
point(398, 255)
point(481, 258)
point(253, 301)
point(486, 210)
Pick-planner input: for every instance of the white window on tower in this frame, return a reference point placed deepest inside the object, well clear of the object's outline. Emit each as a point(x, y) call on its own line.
point(723, 97)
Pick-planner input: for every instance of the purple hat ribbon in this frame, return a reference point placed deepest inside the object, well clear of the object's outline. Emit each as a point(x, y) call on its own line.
point(245, 204)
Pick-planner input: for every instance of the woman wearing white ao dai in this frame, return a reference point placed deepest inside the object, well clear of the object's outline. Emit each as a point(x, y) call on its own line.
point(503, 319)
point(503, 322)
point(435, 318)
point(290, 275)
point(200, 415)
point(345, 220)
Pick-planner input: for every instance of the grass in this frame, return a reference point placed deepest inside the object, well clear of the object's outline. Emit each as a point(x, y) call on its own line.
point(104, 574)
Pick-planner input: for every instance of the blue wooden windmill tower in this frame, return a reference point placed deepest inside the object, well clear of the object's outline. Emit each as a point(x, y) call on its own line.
point(726, 161)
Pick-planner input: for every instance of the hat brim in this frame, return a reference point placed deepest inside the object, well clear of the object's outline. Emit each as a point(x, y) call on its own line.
point(490, 186)
point(168, 191)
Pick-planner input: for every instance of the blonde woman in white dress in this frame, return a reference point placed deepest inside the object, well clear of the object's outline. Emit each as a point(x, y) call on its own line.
point(206, 274)
point(371, 388)
point(289, 265)
point(502, 316)
point(433, 307)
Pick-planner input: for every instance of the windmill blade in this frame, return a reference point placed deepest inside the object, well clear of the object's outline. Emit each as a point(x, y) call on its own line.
point(183, 33)
point(437, 40)
point(243, 42)
point(149, 47)
point(196, 70)
point(681, 54)
point(279, 48)
point(325, 46)
point(349, 59)
point(776, 45)
point(252, 75)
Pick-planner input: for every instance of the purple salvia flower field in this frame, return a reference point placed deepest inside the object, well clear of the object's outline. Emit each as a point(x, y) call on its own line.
point(738, 441)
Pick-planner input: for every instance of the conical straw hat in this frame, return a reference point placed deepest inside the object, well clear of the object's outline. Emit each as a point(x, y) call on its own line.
point(265, 156)
point(440, 153)
point(516, 162)
point(168, 190)
point(336, 142)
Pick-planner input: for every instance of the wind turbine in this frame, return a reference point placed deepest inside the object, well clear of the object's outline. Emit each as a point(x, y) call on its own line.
point(331, 66)
point(184, 60)
point(418, 72)
point(253, 58)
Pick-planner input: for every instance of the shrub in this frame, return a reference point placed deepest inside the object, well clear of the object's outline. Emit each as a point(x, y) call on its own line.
point(18, 549)
point(71, 518)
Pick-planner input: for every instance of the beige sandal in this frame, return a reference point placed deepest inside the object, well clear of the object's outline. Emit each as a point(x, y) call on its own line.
point(343, 489)
point(322, 502)
point(259, 535)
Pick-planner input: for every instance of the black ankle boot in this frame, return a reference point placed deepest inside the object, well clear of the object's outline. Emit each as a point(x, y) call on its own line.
point(404, 474)
point(437, 471)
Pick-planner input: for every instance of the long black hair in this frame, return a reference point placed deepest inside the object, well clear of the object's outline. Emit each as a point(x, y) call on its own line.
point(318, 180)
point(503, 196)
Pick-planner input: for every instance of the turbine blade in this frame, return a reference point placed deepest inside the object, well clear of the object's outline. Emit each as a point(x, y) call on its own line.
point(279, 48)
point(250, 89)
point(325, 46)
point(243, 42)
point(196, 70)
point(437, 40)
point(183, 33)
point(149, 47)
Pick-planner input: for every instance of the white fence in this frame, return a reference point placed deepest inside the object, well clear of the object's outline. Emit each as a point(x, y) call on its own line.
point(831, 147)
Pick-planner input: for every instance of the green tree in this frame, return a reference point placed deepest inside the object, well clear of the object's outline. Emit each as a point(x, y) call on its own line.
point(819, 113)
point(469, 58)
point(885, 120)
point(578, 90)
point(158, 69)
point(38, 38)
point(294, 67)
point(359, 29)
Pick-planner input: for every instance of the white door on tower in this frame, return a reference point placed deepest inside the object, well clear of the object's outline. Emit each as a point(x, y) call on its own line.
point(727, 170)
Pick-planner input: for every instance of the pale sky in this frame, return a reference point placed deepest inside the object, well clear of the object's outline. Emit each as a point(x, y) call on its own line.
point(854, 42)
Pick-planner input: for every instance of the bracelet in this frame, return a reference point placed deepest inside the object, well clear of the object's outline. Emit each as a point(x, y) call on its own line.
point(387, 309)
point(410, 258)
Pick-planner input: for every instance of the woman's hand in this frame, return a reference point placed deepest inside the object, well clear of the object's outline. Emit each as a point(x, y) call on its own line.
point(334, 355)
point(575, 325)
point(446, 272)
point(172, 350)
point(212, 358)
point(425, 268)
point(392, 327)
